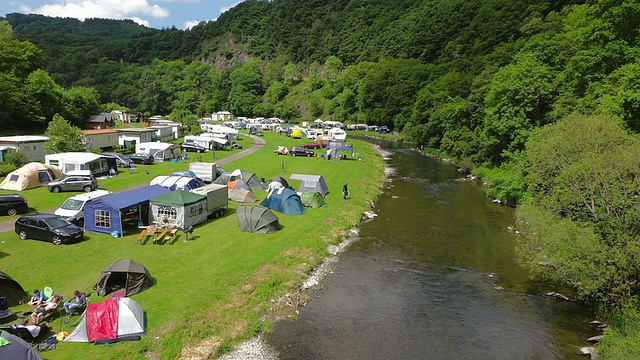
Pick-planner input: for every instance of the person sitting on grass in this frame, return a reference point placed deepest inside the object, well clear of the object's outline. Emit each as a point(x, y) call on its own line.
point(70, 307)
point(44, 309)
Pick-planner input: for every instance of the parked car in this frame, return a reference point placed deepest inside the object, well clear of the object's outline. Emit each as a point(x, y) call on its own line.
point(121, 159)
point(48, 227)
point(140, 158)
point(193, 148)
point(300, 151)
point(259, 133)
point(281, 150)
point(12, 204)
point(73, 183)
point(311, 146)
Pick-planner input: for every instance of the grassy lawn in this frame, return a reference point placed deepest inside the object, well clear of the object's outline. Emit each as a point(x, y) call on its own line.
point(216, 287)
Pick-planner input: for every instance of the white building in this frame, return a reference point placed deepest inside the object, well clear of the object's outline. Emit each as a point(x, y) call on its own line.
point(222, 116)
point(29, 145)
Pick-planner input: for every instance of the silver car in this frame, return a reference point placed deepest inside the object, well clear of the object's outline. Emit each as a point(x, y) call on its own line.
point(73, 183)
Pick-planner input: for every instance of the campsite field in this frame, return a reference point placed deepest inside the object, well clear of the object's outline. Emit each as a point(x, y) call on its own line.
point(219, 288)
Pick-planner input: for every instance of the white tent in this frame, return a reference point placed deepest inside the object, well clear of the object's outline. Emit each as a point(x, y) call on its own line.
point(116, 318)
point(185, 183)
point(31, 175)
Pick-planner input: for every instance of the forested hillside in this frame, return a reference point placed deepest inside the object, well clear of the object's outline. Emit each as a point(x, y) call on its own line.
point(539, 98)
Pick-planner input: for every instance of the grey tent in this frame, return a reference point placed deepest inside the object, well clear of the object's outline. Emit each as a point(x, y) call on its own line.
point(313, 183)
point(242, 195)
point(250, 178)
point(17, 349)
point(124, 274)
point(281, 180)
point(13, 293)
point(257, 219)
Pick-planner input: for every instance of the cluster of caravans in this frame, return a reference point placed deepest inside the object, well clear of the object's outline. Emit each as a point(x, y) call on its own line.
point(213, 137)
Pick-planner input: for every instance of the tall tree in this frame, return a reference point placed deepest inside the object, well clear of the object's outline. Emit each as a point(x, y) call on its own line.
point(63, 136)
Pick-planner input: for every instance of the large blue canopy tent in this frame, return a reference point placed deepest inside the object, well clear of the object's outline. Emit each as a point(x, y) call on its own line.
point(105, 214)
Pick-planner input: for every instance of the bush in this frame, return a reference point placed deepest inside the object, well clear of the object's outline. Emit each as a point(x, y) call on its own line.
point(6, 168)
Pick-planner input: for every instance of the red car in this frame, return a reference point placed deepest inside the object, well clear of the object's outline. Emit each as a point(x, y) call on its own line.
point(311, 146)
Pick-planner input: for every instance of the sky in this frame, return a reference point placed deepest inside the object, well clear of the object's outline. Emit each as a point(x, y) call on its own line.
point(183, 14)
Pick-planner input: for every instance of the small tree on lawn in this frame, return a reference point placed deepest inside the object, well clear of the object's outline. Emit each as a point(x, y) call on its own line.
point(63, 137)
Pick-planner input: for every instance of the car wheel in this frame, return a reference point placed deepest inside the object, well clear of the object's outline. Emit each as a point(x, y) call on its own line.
point(12, 212)
point(308, 155)
point(56, 189)
point(87, 188)
point(56, 240)
point(81, 222)
point(293, 154)
point(22, 234)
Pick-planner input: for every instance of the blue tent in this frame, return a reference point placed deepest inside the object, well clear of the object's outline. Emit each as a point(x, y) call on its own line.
point(285, 201)
point(104, 214)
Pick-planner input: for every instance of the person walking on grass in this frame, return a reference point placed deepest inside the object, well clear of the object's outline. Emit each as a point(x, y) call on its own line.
point(345, 190)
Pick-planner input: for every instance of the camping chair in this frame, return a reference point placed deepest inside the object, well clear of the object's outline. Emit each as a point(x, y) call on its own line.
point(48, 314)
point(48, 292)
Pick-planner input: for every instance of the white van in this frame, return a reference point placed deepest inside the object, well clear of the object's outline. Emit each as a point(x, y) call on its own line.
point(73, 208)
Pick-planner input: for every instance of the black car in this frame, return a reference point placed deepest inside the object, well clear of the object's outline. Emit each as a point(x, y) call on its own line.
point(139, 158)
point(12, 204)
point(300, 151)
point(193, 148)
point(47, 227)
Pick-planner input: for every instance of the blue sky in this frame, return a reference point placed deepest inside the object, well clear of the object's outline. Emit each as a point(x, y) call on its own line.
point(157, 14)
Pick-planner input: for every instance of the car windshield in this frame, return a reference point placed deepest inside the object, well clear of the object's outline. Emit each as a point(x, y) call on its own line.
point(56, 223)
point(72, 204)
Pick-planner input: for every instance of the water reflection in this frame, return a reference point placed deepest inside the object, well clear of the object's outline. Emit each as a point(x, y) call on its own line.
point(433, 277)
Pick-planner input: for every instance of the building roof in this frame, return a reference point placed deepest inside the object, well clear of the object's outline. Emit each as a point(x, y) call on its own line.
point(80, 157)
point(23, 138)
point(135, 130)
point(98, 131)
point(100, 118)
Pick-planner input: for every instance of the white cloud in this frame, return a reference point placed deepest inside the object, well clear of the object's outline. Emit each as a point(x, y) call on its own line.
point(189, 24)
point(107, 9)
point(225, 8)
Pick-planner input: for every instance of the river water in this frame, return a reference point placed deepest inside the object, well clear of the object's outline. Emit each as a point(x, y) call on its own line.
point(434, 276)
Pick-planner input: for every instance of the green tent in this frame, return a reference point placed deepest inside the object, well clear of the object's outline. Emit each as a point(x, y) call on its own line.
point(181, 208)
point(312, 199)
point(257, 219)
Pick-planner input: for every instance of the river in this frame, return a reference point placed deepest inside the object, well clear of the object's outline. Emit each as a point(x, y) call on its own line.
point(434, 276)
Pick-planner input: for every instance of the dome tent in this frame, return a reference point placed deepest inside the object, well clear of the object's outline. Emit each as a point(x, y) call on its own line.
point(257, 219)
point(312, 199)
point(11, 290)
point(284, 200)
point(31, 175)
point(125, 274)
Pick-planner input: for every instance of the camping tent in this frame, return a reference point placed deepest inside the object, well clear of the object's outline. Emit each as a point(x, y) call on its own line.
point(105, 214)
point(11, 290)
point(285, 201)
point(17, 349)
point(238, 184)
point(172, 182)
point(31, 175)
point(125, 274)
point(180, 207)
point(115, 319)
point(242, 195)
point(312, 199)
point(250, 178)
point(281, 180)
point(257, 219)
point(313, 183)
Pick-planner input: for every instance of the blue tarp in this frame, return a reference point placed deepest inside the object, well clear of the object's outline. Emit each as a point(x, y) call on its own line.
point(284, 200)
point(103, 215)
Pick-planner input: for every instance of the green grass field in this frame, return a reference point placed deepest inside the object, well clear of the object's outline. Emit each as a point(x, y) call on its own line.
point(217, 288)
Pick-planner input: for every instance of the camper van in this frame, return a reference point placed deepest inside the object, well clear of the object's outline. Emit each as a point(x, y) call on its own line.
point(73, 208)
